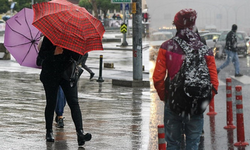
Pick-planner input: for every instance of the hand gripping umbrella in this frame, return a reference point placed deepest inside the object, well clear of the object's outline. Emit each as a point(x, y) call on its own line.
point(68, 26)
point(21, 38)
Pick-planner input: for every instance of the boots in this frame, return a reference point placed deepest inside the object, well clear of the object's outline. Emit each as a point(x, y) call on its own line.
point(49, 135)
point(81, 138)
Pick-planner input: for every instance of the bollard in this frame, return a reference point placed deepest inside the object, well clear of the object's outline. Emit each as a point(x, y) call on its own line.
point(100, 70)
point(212, 132)
point(240, 120)
point(230, 139)
point(229, 104)
point(161, 138)
point(211, 109)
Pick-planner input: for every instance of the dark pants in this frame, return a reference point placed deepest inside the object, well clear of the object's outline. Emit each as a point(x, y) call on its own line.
point(84, 59)
point(71, 94)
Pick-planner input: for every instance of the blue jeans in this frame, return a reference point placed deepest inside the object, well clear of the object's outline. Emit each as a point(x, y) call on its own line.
point(231, 56)
point(176, 125)
point(61, 102)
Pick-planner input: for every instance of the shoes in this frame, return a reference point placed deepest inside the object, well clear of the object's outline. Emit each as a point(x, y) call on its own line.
point(49, 136)
point(81, 138)
point(91, 76)
point(238, 75)
point(60, 123)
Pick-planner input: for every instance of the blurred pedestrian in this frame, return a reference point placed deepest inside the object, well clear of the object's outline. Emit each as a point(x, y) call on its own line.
point(54, 61)
point(61, 102)
point(84, 59)
point(169, 61)
point(118, 17)
point(231, 51)
point(114, 16)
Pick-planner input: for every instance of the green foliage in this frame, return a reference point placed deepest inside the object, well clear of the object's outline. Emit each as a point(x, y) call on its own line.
point(106, 4)
point(25, 4)
point(20, 4)
point(86, 4)
point(5, 6)
point(103, 5)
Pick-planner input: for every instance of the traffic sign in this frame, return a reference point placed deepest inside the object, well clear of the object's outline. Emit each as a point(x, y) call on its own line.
point(121, 1)
point(123, 28)
point(126, 6)
point(133, 8)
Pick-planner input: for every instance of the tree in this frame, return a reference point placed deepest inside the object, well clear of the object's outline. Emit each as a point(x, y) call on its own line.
point(103, 5)
point(5, 6)
point(89, 5)
point(86, 4)
point(25, 4)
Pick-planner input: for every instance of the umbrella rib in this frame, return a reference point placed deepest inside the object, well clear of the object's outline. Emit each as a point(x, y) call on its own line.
point(27, 53)
point(17, 32)
point(28, 24)
point(18, 44)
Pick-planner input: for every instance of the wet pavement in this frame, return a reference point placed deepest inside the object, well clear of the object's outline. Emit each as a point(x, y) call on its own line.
point(119, 118)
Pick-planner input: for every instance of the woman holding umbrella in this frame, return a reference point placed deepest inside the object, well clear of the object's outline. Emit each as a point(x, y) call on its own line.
point(54, 61)
point(75, 30)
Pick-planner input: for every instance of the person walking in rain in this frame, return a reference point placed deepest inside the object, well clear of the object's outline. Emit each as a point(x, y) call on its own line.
point(61, 100)
point(54, 61)
point(231, 51)
point(169, 60)
point(84, 59)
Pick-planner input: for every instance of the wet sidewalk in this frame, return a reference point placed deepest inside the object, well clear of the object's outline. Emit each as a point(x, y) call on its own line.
point(118, 117)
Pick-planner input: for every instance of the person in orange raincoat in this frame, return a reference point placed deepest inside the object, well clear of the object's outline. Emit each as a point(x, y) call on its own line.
point(169, 60)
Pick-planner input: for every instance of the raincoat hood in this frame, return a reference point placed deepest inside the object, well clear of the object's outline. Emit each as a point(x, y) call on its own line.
point(185, 18)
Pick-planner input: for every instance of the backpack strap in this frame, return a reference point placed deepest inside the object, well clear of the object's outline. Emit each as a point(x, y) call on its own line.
point(188, 49)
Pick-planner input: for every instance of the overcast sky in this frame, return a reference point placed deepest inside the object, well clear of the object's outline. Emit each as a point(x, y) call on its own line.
point(220, 13)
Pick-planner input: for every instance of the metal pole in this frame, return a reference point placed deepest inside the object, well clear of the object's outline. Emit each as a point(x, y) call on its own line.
point(100, 70)
point(124, 42)
point(137, 41)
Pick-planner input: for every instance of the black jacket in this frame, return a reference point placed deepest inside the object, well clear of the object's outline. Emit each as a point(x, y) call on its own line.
point(231, 41)
point(53, 66)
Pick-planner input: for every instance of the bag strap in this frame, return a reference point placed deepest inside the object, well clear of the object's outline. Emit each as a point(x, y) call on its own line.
point(188, 49)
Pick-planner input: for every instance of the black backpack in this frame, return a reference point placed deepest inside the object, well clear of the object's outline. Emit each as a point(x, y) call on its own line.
point(190, 91)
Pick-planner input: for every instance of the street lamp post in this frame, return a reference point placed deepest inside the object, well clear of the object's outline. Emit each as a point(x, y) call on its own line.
point(137, 41)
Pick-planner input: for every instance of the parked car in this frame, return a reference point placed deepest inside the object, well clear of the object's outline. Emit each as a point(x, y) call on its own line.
point(248, 45)
point(156, 39)
point(219, 49)
point(210, 37)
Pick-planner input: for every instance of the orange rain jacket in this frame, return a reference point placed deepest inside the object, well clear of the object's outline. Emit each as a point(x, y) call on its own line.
point(169, 61)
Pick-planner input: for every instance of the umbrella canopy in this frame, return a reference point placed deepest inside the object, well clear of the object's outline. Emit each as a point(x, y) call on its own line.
point(68, 26)
point(21, 38)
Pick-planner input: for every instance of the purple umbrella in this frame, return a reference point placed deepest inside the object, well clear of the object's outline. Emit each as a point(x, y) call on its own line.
point(21, 38)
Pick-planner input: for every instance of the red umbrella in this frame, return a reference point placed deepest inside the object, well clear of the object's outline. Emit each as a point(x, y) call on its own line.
point(68, 26)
